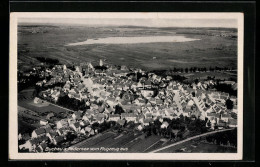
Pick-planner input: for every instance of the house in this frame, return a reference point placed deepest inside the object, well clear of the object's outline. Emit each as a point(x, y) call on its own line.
point(52, 135)
point(159, 102)
point(43, 147)
point(75, 126)
point(86, 117)
point(147, 121)
point(225, 117)
point(147, 93)
point(57, 140)
point(186, 112)
point(165, 124)
point(29, 144)
point(148, 115)
point(26, 136)
point(76, 115)
point(221, 124)
point(100, 120)
point(82, 131)
point(50, 116)
point(147, 84)
point(232, 123)
point(88, 129)
point(43, 122)
point(140, 127)
point(140, 101)
point(92, 120)
point(111, 101)
point(36, 100)
point(121, 122)
point(213, 115)
point(38, 132)
point(175, 132)
point(32, 144)
point(62, 131)
point(62, 123)
point(84, 123)
point(190, 103)
point(38, 149)
point(114, 117)
point(128, 117)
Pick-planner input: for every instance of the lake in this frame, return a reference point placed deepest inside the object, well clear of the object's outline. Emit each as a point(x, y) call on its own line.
point(134, 40)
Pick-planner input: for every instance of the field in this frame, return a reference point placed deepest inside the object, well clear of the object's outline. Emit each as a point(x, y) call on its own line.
point(130, 143)
point(51, 40)
point(29, 104)
point(199, 147)
point(204, 75)
point(126, 141)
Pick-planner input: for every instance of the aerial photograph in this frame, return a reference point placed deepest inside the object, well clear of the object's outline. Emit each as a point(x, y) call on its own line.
point(126, 85)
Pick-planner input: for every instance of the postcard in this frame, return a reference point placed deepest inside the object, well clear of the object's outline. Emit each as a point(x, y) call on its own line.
point(126, 86)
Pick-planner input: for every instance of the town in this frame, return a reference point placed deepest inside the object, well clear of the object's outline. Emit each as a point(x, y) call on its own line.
point(117, 98)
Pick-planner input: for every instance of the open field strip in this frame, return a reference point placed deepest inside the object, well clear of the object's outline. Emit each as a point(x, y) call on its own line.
point(191, 138)
point(152, 145)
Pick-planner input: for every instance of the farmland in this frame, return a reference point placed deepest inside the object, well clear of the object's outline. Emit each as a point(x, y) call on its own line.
point(130, 143)
point(199, 147)
point(42, 108)
point(51, 41)
point(127, 141)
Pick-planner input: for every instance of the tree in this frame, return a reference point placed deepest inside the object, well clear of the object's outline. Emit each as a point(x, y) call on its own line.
point(209, 124)
point(118, 110)
point(229, 104)
point(196, 81)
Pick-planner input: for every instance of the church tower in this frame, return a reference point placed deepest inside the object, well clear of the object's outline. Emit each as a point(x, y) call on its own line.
point(100, 62)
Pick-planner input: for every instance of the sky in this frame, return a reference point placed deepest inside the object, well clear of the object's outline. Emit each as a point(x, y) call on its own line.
point(148, 22)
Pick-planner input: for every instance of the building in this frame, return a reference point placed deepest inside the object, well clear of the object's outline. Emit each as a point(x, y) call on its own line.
point(38, 133)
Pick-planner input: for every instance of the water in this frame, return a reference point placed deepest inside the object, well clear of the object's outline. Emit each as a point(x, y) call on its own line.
point(134, 40)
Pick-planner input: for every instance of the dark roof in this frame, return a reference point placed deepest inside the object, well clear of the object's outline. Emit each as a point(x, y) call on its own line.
point(148, 114)
point(38, 149)
point(40, 131)
point(77, 124)
point(114, 115)
point(43, 138)
point(213, 114)
point(54, 133)
point(232, 121)
point(26, 136)
point(226, 115)
point(43, 145)
point(148, 120)
point(147, 82)
point(48, 129)
point(59, 139)
point(221, 124)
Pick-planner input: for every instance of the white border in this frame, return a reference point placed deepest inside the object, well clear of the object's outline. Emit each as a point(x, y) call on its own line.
point(13, 116)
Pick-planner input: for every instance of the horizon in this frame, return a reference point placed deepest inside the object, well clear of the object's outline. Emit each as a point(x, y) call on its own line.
point(157, 23)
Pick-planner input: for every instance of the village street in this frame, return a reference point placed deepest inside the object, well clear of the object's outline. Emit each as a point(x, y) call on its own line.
point(176, 98)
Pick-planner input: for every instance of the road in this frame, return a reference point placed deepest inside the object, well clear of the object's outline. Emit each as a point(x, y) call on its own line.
point(203, 114)
point(191, 138)
point(176, 98)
